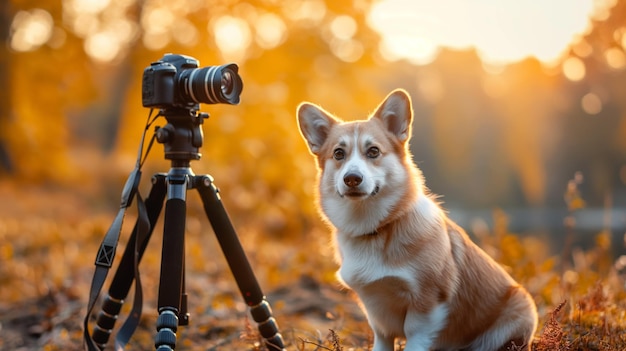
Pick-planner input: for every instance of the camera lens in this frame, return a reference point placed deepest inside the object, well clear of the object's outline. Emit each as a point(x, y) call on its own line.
point(227, 83)
point(212, 85)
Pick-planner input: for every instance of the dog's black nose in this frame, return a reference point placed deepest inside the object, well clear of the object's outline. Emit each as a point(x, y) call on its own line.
point(353, 179)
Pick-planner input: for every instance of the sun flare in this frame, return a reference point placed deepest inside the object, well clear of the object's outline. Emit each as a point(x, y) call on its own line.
point(500, 31)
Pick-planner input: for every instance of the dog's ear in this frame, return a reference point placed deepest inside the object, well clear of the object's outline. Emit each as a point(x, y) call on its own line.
point(315, 124)
point(396, 114)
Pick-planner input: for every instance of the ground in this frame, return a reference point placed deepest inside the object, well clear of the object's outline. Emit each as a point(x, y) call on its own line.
point(49, 237)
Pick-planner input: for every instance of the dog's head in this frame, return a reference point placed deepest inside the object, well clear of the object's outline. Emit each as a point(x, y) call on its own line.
point(364, 159)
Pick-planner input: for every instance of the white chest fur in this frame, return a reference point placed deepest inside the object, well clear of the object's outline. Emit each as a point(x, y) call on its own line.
point(364, 265)
point(369, 258)
point(385, 273)
point(384, 291)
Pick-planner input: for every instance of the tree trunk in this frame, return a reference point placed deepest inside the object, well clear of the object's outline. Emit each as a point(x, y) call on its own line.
point(6, 164)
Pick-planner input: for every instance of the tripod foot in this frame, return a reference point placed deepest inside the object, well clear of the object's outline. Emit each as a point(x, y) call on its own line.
point(167, 323)
point(262, 314)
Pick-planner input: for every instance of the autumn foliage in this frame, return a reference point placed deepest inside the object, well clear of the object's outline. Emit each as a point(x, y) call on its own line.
point(550, 138)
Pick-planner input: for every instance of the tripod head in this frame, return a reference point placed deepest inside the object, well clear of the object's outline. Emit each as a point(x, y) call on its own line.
point(182, 136)
point(177, 85)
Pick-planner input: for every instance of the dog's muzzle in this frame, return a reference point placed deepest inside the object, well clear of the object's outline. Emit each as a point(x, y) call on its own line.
point(353, 181)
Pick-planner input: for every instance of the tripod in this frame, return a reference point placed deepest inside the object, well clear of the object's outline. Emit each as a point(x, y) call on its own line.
point(182, 138)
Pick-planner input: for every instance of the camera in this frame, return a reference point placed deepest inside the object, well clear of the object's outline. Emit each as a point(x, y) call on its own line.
point(176, 81)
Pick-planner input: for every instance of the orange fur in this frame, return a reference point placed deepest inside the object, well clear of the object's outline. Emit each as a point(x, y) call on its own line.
point(417, 274)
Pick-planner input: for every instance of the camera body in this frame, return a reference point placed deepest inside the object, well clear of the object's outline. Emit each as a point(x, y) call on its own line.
point(158, 83)
point(176, 81)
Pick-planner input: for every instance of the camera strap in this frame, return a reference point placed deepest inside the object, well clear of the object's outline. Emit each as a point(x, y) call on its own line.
point(132, 321)
point(106, 252)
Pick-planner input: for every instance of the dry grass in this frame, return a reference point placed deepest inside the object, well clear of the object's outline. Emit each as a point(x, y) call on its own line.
point(49, 236)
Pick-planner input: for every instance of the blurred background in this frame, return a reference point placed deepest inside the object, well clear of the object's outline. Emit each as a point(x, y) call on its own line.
point(520, 126)
point(511, 100)
point(519, 106)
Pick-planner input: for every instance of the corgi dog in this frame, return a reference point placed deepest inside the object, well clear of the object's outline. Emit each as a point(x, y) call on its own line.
point(417, 274)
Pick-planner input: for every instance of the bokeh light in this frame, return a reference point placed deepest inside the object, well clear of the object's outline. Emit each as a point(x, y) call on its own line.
point(103, 46)
point(343, 27)
point(615, 58)
point(232, 36)
point(87, 6)
point(185, 33)
point(574, 69)
point(270, 31)
point(31, 29)
point(310, 11)
point(591, 104)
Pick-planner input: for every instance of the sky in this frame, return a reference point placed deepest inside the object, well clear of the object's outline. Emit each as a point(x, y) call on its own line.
point(502, 31)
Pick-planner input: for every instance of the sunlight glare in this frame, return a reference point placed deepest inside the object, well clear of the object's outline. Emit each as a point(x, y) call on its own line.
point(232, 36)
point(417, 50)
point(601, 9)
point(31, 29)
point(501, 32)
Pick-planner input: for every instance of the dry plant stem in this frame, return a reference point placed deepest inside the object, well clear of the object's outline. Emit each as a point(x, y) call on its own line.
point(318, 346)
point(552, 334)
point(332, 337)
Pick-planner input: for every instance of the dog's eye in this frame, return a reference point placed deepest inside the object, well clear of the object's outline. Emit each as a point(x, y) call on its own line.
point(373, 152)
point(339, 154)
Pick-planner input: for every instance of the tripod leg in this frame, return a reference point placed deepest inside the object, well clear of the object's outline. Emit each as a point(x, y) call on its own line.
point(172, 262)
point(183, 314)
point(238, 263)
point(125, 274)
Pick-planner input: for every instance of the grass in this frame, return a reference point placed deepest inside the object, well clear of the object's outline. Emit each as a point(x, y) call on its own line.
point(49, 237)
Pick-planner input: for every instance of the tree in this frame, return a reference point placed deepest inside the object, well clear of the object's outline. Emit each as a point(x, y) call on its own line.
point(5, 92)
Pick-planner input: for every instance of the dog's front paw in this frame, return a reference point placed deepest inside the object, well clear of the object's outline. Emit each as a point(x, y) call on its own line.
point(382, 342)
